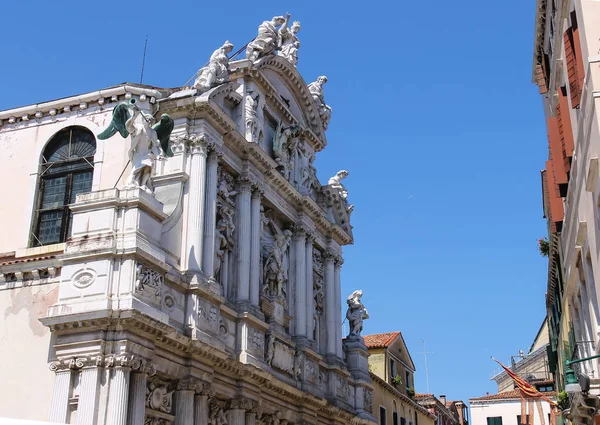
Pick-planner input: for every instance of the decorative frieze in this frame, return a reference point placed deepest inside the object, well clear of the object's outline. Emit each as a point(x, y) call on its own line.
point(159, 395)
point(148, 283)
point(368, 400)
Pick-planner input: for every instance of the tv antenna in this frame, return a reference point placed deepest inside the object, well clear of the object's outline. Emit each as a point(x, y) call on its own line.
point(144, 60)
point(425, 352)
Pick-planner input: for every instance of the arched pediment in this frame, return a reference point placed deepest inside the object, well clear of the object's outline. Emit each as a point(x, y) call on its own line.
point(281, 78)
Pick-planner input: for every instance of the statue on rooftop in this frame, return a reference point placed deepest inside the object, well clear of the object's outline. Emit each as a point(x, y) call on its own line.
point(289, 43)
point(267, 40)
point(217, 70)
point(356, 313)
point(316, 90)
point(148, 142)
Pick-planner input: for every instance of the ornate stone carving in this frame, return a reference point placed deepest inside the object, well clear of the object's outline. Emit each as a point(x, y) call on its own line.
point(356, 313)
point(189, 384)
point(267, 40)
point(368, 400)
point(343, 388)
point(225, 186)
point(275, 274)
point(284, 145)
point(84, 278)
point(256, 339)
point(158, 395)
point(270, 353)
point(253, 106)
point(311, 372)
point(217, 413)
point(217, 70)
point(207, 312)
point(289, 43)
point(317, 262)
point(324, 110)
point(283, 358)
point(199, 143)
point(319, 294)
point(298, 365)
point(148, 142)
point(336, 183)
point(148, 283)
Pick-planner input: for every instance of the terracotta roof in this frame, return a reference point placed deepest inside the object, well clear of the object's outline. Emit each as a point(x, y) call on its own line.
point(25, 260)
point(423, 395)
point(514, 394)
point(380, 340)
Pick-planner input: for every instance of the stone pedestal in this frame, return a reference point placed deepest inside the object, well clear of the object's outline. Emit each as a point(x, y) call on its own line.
point(357, 355)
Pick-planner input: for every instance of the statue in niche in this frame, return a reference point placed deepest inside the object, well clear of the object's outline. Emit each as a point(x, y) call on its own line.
point(318, 294)
point(270, 349)
point(336, 183)
point(225, 187)
point(298, 361)
point(148, 142)
point(289, 41)
point(284, 143)
point(275, 272)
point(217, 70)
point(267, 41)
point(316, 90)
point(356, 313)
point(221, 245)
point(253, 109)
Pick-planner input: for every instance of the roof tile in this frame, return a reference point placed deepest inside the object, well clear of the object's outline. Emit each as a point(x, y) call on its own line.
point(380, 340)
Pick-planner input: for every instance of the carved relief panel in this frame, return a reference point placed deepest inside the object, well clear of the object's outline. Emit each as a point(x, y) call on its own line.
point(148, 284)
point(225, 231)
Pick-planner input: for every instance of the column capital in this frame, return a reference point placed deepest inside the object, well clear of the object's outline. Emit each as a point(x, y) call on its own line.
point(301, 230)
point(241, 403)
point(199, 143)
point(244, 184)
point(339, 260)
point(141, 365)
point(257, 190)
point(178, 144)
point(207, 390)
point(329, 255)
point(215, 152)
point(190, 384)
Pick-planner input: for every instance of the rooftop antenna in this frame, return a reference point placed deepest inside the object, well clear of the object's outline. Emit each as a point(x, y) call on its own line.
point(144, 60)
point(425, 352)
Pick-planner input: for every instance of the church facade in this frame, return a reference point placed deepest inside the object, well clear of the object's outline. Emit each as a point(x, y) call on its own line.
point(175, 259)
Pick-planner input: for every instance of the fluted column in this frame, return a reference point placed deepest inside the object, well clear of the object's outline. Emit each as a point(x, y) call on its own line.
point(251, 418)
point(244, 232)
point(192, 256)
point(137, 393)
point(118, 396)
point(255, 247)
point(310, 307)
point(330, 302)
point(300, 281)
point(338, 288)
point(201, 411)
point(87, 408)
point(184, 402)
point(208, 261)
point(59, 407)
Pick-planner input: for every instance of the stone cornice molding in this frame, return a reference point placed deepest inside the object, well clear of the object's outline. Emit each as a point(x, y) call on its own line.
point(393, 391)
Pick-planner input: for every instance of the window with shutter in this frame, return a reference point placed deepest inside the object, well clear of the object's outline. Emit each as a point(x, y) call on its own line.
point(571, 63)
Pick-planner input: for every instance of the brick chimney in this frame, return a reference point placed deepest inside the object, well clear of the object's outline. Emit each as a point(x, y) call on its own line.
point(443, 399)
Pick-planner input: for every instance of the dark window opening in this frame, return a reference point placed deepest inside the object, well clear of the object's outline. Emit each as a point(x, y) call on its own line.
point(66, 170)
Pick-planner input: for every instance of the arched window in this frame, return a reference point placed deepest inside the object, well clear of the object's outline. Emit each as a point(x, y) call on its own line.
point(66, 170)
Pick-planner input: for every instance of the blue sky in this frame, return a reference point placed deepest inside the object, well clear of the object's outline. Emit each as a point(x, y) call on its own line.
point(434, 115)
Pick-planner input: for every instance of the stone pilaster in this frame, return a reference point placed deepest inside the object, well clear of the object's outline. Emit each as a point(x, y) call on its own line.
point(118, 396)
point(330, 302)
point(236, 415)
point(208, 261)
point(192, 254)
point(244, 229)
point(89, 392)
point(137, 394)
point(310, 305)
point(59, 407)
point(184, 402)
point(255, 248)
point(300, 281)
point(338, 311)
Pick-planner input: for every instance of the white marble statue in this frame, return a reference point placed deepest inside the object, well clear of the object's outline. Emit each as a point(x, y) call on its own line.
point(283, 147)
point(275, 274)
point(289, 43)
point(253, 109)
point(336, 183)
point(221, 244)
point(148, 142)
point(316, 90)
point(267, 41)
point(217, 70)
point(356, 313)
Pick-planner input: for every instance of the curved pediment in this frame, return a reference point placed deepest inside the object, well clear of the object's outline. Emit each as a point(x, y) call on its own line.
point(286, 86)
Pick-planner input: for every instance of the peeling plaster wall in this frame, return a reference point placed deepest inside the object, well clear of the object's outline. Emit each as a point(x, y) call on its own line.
point(24, 344)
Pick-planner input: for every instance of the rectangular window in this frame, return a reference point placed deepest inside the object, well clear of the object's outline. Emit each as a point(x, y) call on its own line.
point(522, 423)
point(402, 421)
point(408, 379)
point(392, 368)
point(395, 418)
point(382, 415)
point(496, 420)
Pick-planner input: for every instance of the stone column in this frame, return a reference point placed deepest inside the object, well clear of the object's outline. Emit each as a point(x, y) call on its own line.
point(251, 418)
point(201, 410)
point(330, 302)
point(236, 415)
point(118, 396)
point(338, 311)
point(255, 248)
point(310, 304)
point(184, 402)
point(192, 255)
point(59, 408)
point(208, 254)
point(137, 394)
point(87, 408)
point(300, 281)
point(244, 233)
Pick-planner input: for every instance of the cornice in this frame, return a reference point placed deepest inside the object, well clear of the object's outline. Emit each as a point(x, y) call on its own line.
point(389, 388)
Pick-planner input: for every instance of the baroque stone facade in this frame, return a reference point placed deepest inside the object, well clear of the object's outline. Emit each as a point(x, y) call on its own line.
point(207, 289)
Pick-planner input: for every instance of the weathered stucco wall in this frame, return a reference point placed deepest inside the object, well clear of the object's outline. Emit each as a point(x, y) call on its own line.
point(24, 344)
